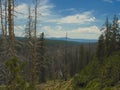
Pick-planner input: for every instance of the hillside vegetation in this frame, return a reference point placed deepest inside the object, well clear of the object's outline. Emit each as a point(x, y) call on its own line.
point(103, 72)
point(56, 85)
point(95, 76)
point(100, 76)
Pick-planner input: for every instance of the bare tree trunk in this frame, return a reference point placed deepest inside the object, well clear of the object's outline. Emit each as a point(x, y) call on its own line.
point(1, 9)
point(11, 26)
point(34, 59)
point(6, 17)
point(35, 41)
point(29, 32)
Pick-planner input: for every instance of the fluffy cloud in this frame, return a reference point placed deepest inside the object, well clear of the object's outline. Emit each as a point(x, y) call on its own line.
point(90, 32)
point(67, 10)
point(77, 18)
point(49, 18)
point(119, 21)
point(21, 11)
point(43, 9)
point(53, 32)
point(21, 14)
point(19, 30)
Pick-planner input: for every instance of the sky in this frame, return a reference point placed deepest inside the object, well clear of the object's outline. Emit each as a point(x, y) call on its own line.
point(81, 19)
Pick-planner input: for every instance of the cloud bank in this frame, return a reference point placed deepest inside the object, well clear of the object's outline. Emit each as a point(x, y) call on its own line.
point(54, 24)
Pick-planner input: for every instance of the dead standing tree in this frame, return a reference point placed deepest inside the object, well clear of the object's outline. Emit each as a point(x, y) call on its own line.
point(1, 11)
point(34, 52)
point(3, 41)
point(11, 27)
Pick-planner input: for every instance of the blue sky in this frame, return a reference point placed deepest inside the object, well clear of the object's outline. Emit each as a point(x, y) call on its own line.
point(79, 18)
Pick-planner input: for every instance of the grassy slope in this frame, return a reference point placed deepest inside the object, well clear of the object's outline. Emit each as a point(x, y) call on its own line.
point(56, 85)
point(96, 76)
point(67, 85)
point(52, 85)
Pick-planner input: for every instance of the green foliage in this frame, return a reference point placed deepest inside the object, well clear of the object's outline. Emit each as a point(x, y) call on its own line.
point(101, 48)
point(15, 78)
point(110, 38)
point(56, 85)
point(14, 66)
point(99, 76)
point(103, 72)
point(42, 61)
point(93, 84)
point(87, 74)
point(31, 87)
point(110, 72)
point(2, 88)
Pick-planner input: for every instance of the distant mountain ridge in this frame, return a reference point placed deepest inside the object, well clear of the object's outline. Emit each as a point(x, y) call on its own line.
point(68, 39)
point(75, 40)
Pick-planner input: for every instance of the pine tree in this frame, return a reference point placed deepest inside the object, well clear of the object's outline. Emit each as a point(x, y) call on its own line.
point(107, 37)
point(101, 48)
point(41, 62)
point(109, 40)
point(114, 33)
point(118, 39)
point(16, 80)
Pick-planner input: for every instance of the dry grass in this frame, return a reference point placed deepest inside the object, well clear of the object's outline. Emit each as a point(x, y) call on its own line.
point(56, 85)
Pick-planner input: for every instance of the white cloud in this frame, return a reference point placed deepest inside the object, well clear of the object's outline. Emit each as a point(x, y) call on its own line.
point(21, 14)
point(21, 11)
point(44, 9)
point(77, 18)
point(119, 21)
point(53, 32)
point(19, 30)
point(67, 10)
point(45, 14)
point(91, 32)
point(58, 28)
